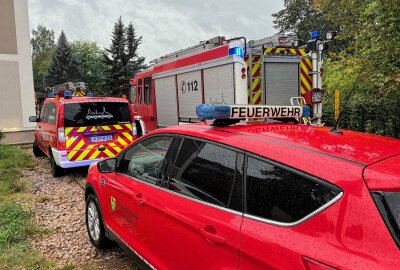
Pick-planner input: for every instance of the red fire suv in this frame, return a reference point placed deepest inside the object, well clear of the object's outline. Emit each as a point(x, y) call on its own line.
point(76, 131)
point(251, 196)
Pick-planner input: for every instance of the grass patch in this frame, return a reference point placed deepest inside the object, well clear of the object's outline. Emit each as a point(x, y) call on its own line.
point(12, 161)
point(15, 251)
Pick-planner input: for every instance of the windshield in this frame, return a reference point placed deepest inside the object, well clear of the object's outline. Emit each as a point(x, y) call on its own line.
point(96, 114)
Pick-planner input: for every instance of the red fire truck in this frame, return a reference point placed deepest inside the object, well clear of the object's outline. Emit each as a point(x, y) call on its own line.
point(268, 71)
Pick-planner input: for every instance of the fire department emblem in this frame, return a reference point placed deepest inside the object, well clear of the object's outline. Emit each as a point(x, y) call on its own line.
point(113, 203)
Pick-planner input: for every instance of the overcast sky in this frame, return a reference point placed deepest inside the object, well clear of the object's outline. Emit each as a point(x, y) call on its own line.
point(166, 25)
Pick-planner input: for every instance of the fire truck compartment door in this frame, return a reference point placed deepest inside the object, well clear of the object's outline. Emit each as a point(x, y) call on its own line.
point(167, 111)
point(218, 84)
point(189, 93)
point(282, 81)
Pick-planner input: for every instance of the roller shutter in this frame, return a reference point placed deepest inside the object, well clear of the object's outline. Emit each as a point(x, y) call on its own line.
point(219, 84)
point(281, 83)
point(167, 112)
point(189, 93)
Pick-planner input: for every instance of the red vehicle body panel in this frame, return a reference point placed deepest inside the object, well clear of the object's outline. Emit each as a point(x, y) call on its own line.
point(349, 234)
point(384, 175)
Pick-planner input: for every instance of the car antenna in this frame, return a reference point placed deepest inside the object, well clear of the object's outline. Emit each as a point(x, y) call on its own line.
point(336, 126)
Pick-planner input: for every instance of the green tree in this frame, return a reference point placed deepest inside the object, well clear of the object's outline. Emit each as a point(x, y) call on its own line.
point(373, 29)
point(91, 66)
point(63, 66)
point(300, 17)
point(43, 45)
point(122, 57)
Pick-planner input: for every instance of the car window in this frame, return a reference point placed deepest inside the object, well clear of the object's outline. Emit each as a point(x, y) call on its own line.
point(147, 91)
point(52, 113)
point(139, 86)
point(283, 196)
point(45, 113)
point(145, 159)
point(209, 173)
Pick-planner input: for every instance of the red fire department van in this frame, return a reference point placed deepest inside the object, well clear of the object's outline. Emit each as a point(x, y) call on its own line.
point(76, 131)
point(268, 71)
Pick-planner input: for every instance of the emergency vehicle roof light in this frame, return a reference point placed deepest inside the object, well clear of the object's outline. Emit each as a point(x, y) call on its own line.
point(315, 35)
point(51, 95)
point(67, 94)
point(89, 94)
point(236, 51)
point(215, 112)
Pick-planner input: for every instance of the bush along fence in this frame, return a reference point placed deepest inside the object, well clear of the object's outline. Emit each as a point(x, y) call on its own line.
point(380, 119)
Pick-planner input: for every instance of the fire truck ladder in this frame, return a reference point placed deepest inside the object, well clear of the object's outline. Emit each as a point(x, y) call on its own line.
point(201, 47)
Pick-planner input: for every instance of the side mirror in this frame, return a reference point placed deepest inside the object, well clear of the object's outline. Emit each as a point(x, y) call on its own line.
point(33, 119)
point(107, 166)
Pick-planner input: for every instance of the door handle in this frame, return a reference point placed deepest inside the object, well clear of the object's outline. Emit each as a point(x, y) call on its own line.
point(139, 199)
point(210, 233)
point(152, 118)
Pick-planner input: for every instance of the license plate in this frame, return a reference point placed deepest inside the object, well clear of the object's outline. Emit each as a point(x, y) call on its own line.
point(97, 139)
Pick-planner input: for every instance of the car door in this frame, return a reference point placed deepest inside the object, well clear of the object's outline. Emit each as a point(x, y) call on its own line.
point(146, 108)
point(42, 127)
point(278, 200)
point(129, 191)
point(197, 214)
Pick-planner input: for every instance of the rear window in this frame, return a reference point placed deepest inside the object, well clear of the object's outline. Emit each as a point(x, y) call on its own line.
point(96, 113)
point(282, 196)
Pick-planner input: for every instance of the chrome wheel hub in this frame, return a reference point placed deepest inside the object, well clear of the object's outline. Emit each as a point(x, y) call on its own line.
point(93, 221)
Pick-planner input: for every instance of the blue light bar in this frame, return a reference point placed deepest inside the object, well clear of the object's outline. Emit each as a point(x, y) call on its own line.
point(236, 51)
point(315, 35)
point(212, 112)
point(89, 94)
point(51, 95)
point(67, 94)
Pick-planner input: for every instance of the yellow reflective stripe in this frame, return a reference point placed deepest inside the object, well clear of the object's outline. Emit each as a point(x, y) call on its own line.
point(256, 96)
point(127, 135)
point(70, 140)
point(84, 153)
point(121, 141)
point(93, 129)
point(106, 127)
point(71, 154)
point(302, 52)
point(67, 130)
point(95, 154)
point(129, 126)
point(117, 149)
point(79, 145)
point(108, 153)
point(255, 83)
point(81, 129)
point(117, 127)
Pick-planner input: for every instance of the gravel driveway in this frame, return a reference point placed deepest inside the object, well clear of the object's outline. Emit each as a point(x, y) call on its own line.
point(59, 208)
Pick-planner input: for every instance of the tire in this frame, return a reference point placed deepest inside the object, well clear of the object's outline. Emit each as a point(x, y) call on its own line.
point(95, 225)
point(36, 150)
point(56, 170)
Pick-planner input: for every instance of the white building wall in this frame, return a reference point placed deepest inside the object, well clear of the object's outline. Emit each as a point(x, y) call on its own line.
point(17, 101)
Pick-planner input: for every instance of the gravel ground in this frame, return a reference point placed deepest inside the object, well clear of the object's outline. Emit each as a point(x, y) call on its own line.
point(59, 208)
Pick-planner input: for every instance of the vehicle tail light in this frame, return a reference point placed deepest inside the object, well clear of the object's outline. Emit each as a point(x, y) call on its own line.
point(61, 135)
point(134, 131)
point(388, 204)
point(311, 264)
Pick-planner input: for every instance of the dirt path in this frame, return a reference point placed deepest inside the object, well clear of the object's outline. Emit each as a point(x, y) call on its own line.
point(59, 208)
